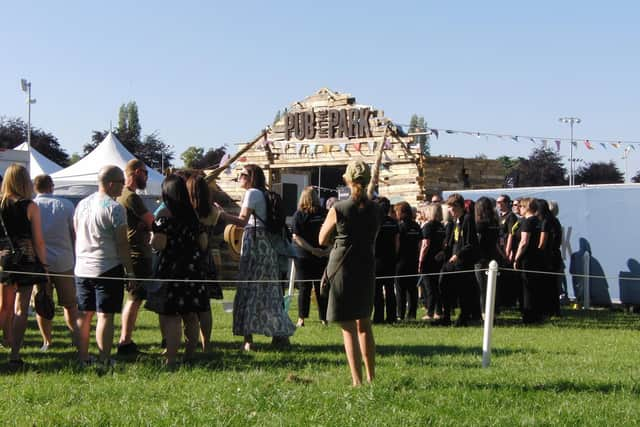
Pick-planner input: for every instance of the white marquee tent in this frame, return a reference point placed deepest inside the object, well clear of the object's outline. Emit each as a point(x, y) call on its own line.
point(38, 164)
point(81, 178)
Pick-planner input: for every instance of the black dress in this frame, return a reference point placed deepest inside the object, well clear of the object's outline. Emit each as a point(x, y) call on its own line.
point(180, 259)
point(352, 285)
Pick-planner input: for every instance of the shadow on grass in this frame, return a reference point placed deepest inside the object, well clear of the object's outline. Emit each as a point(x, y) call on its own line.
point(227, 356)
point(561, 386)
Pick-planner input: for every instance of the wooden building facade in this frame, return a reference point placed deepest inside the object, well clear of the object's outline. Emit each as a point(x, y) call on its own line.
point(317, 137)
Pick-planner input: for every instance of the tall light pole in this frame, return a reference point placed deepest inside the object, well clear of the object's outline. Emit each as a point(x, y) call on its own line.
point(571, 121)
point(26, 88)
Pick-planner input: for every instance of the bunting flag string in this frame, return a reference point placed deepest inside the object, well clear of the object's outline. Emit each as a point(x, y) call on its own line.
point(589, 143)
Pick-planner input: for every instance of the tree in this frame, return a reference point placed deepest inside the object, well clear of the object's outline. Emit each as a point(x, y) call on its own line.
point(212, 157)
point(154, 152)
point(417, 124)
point(192, 156)
point(599, 173)
point(543, 167)
point(74, 158)
point(150, 148)
point(13, 132)
point(636, 177)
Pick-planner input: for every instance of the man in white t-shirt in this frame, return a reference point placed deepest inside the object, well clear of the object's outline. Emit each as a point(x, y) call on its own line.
point(57, 230)
point(102, 252)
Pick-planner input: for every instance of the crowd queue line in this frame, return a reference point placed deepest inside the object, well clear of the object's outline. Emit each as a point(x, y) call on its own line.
point(111, 234)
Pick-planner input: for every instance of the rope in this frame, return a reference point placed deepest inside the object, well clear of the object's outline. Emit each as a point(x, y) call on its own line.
point(241, 282)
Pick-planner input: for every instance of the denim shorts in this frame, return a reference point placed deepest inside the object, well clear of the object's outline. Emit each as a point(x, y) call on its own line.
point(98, 294)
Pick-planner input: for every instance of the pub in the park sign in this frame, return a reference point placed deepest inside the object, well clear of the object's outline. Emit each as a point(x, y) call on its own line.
point(329, 123)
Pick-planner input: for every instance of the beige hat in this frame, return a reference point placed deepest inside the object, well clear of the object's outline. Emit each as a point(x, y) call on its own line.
point(358, 171)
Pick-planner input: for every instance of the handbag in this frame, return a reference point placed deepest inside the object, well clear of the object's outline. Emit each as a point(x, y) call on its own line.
point(8, 254)
point(325, 280)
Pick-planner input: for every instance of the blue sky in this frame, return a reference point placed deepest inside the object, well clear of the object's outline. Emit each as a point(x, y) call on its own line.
point(209, 73)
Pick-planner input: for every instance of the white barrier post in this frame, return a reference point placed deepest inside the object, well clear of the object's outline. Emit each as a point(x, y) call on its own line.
point(586, 285)
point(488, 313)
point(292, 280)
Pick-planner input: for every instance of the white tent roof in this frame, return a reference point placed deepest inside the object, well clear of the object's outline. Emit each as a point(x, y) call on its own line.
point(84, 173)
point(38, 164)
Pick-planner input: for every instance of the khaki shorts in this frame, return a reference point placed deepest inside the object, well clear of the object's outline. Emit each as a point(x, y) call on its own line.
point(137, 290)
point(65, 288)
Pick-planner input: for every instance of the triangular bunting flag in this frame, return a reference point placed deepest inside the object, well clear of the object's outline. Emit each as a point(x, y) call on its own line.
point(433, 131)
point(343, 147)
point(603, 145)
point(615, 144)
point(558, 144)
point(588, 144)
point(633, 147)
point(298, 148)
point(356, 145)
point(372, 146)
point(449, 131)
point(515, 138)
point(387, 143)
point(327, 148)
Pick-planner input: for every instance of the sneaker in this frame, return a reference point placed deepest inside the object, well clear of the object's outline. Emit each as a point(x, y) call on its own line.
point(130, 349)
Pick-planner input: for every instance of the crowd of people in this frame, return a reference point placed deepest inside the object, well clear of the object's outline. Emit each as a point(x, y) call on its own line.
point(437, 255)
point(382, 261)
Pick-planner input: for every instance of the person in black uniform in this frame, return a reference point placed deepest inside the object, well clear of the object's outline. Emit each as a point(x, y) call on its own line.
point(431, 258)
point(311, 258)
point(410, 237)
point(463, 244)
point(387, 247)
point(550, 241)
point(529, 258)
point(506, 220)
point(487, 231)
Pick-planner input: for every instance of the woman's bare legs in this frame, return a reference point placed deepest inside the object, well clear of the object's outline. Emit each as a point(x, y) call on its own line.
point(7, 304)
point(170, 325)
point(352, 350)
point(23, 297)
point(367, 347)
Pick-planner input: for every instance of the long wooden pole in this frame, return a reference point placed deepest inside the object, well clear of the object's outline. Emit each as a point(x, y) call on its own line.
point(216, 172)
point(375, 173)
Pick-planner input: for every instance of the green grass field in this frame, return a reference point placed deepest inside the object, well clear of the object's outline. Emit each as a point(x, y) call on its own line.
point(582, 369)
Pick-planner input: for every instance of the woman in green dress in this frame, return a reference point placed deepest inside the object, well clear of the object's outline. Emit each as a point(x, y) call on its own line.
point(351, 268)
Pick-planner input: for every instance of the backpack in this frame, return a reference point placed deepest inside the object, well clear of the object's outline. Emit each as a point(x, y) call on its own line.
point(275, 221)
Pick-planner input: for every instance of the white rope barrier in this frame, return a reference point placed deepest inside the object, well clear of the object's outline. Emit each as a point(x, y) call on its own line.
point(286, 281)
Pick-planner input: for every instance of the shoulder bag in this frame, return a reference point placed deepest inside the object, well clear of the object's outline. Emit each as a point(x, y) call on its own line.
point(325, 280)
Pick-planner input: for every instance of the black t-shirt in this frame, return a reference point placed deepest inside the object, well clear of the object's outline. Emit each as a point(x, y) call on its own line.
point(487, 240)
point(307, 226)
point(532, 226)
point(506, 224)
point(434, 231)
point(410, 238)
point(386, 241)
